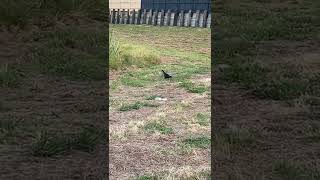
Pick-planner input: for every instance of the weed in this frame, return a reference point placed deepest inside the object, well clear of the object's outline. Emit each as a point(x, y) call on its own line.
point(87, 139)
point(147, 177)
point(234, 138)
point(202, 119)
point(46, 146)
point(158, 126)
point(197, 142)
point(129, 107)
point(191, 87)
point(125, 55)
point(135, 106)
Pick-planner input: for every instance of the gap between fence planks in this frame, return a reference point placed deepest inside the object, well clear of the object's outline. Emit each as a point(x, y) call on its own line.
point(181, 18)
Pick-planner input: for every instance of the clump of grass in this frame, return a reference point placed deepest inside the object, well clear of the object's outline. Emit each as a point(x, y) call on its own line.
point(197, 142)
point(202, 119)
point(147, 177)
point(159, 126)
point(129, 107)
point(115, 59)
point(87, 139)
point(234, 138)
point(193, 88)
point(9, 76)
point(46, 145)
point(139, 56)
point(135, 106)
point(125, 55)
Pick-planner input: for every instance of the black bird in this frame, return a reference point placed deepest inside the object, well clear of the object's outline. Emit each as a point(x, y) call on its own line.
point(166, 75)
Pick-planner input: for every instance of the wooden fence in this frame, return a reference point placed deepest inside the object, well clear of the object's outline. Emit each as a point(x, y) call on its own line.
point(182, 18)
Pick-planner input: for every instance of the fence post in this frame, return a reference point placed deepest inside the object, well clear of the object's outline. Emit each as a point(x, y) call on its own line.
point(187, 20)
point(111, 16)
point(167, 18)
point(209, 21)
point(121, 16)
point(180, 18)
point(131, 16)
point(154, 17)
point(205, 15)
point(160, 18)
point(149, 17)
point(137, 16)
point(125, 17)
point(172, 18)
point(116, 20)
point(195, 19)
point(201, 20)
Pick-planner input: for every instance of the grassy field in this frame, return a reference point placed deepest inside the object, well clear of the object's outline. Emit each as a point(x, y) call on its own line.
point(53, 59)
point(160, 128)
point(266, 94)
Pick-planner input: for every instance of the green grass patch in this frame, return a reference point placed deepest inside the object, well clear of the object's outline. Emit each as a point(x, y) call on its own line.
point(197, 142)
point(234, 138)
point(147, 177)
point(161, 127)
point(136, 106)
point(125, 55)
point(203, 119)
point(47, 145)
point(193, 88)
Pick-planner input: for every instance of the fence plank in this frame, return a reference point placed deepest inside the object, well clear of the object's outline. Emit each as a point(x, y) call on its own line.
point(154, 17)
point(187, 19)
point(149, 17)
point(209, 21)
point(180, 18)
point(131, 17)
point(166, 20)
